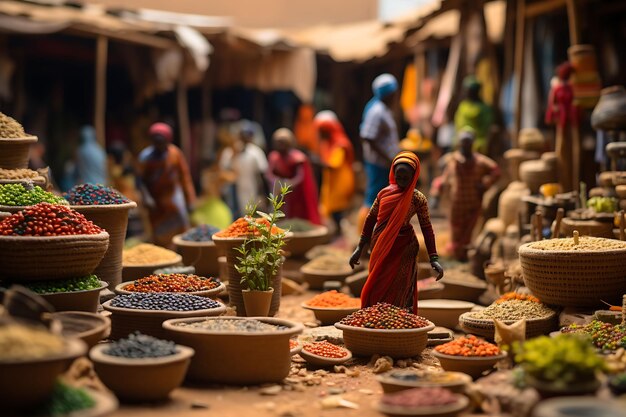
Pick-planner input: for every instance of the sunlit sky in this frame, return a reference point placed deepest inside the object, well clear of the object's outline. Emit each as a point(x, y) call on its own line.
point(391, 9)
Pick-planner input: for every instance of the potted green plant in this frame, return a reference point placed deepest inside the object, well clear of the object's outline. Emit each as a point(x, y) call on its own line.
point(262, 255)
point(563, 365)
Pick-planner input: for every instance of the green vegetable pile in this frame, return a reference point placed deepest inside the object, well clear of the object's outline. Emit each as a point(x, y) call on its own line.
point(602, 204)
point(90, 282)
point(65, 400)
point(562, 360)
point(27, 195)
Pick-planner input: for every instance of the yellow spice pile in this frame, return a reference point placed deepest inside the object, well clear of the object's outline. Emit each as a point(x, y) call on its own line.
point(10, 128)
point(147, 254)
point(585, 243)
point(22, 342)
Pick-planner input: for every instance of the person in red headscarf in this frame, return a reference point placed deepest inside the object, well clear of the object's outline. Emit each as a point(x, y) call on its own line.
point(337, 155)
point(393, 262)
point(168, 187)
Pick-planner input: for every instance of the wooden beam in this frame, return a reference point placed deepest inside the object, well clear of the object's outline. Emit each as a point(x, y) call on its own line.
point(102, 46)
point(543, 7)
point(572, 20)
point(183, 116)
point(518, 67)
point(158, 42)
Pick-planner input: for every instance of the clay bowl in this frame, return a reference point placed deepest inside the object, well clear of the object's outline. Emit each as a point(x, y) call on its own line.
point(473, 366)
point(236, 357)
point(214, 293)
point(443, 312)
point(581, 406)
point(26, 383)
point(391, 384)
point(322, 361)
point(202, 255)
point(620, 190)
point(86, 300)
point(462, 290)
point(449, 410)
point(124, 321)
point(301, 242)
point(432, 291)
point(89, 327)
point(316, 277)
point(133, 272)
point(144, 379)
point(29, 258)
point(328, 315)
point(401, 343)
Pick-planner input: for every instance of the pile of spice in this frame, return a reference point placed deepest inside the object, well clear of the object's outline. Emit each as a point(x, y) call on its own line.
point(605, 336)
point(18, 174)
point(94, 195)
point(90, 282)
point(513, 310)
point(468, 346)
point(19, 342)
point(10, 128)
point(516, 296)
point(293, 343)
point(325, 349)
point(585, 243)
point(334, 299)
point(139, 346)
point(384, 316)
point(172, 283)
point(26, 195)
point(420, 397)
point(231, 325)
point(147, 254)
point(329, 263)
point(241, 228)
point(164, 301)
point(202, 233)
point(296, 225)
point(45, 219)
point(66, 400)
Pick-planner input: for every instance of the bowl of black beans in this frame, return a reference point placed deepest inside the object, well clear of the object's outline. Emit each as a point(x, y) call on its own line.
point(146, 312)
point(140, 368)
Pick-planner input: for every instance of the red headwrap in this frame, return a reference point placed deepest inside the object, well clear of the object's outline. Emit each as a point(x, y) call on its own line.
point(162, 129)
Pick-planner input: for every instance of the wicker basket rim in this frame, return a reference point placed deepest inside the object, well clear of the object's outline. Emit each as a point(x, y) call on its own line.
point(465, 317)
point(497, 357)
point(527, 250)
point(119, 289)
point(176, 260)
point(136, 311)
point(37, 180)
point(97, 355)
point(424, 329)
point(337, 309)
point(20, 140)
point(179, 241)
point(74, 348)
point(104, 207)
point(97, 237)
point(325, 360)
point(103, 285)
point(293, 328)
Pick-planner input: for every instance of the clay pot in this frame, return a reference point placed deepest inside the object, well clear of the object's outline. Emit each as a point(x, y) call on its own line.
point(302, 242)
point(14, 152)
point(328, 316)
point(88, 327)
point(202, 255)
point(535, 174)
point(133, 272)
point(531, 139)
point(442, 312)
point(86, 300)
point(473, 366)
point(515, 157)
point(257, 303)
point(509, 204)
point(390, 383)
point(610, 112)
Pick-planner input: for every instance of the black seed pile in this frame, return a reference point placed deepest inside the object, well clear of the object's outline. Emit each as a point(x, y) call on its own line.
point(164, 301)
point(137, 346)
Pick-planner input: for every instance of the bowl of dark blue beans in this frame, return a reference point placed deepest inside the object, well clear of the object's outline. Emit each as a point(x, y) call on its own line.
point(197, 248)
point(140, 367)
point(147, 311)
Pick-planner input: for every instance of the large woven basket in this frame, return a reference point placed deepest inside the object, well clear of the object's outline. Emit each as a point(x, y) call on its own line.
point(403, 343)
point(31, 258)
point(114, 219)
point(574, 278)
point(486, 328)
point(14, 152)
point(40, 181)
point(201, 255)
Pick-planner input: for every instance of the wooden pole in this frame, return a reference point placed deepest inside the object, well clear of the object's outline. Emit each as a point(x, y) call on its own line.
point(208, 139)
point(518, 67)
point(572, 20)
point(102, 46)
point(183, 116)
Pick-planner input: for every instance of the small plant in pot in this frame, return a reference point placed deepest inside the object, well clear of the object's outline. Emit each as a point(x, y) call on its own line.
point(261, 255)
point(563, 365)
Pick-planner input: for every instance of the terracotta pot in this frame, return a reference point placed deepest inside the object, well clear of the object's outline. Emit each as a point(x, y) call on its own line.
point(473, 366)
point(257, 302)
point(14, 152)
point(302, 242)
point(114, 219)
point(457, 381)
point(509, 204)
point(87, 300)
point(610, 112)
point(201, 255)
point(515, 157)
point(442, 312)
point(133, 272)
point(88, 327)
point(330, 315)
point(142, 379)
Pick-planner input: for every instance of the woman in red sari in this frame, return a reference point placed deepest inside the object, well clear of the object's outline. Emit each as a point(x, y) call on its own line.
point(288, 165)
point(393, 263)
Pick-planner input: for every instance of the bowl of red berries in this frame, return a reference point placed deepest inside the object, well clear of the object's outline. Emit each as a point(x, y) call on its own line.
point(324, 353)
point(385, 329)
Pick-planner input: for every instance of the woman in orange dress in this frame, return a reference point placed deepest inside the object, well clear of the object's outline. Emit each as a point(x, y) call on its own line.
point(393, 262)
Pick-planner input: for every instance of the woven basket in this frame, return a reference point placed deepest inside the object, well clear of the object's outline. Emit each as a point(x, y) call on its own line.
point(31, 258)
point(403, 343)
point(114, 219)
point(486, 328)
point(124, 321)
point(228, 246)
point(201, 255)
point(14, 152)
point(301, 242)
point(574, 278)
point(40, 181)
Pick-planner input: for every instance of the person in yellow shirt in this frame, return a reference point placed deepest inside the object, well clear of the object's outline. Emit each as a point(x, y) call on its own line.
point(337, 156)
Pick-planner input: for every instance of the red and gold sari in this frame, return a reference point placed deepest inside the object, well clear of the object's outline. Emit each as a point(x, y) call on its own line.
point(393, 262)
